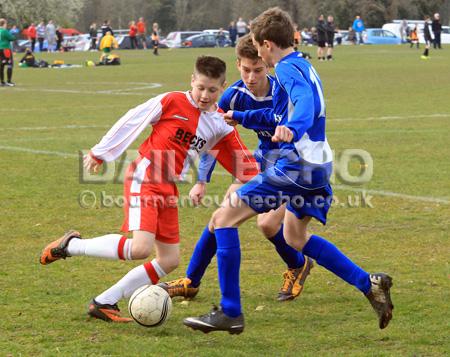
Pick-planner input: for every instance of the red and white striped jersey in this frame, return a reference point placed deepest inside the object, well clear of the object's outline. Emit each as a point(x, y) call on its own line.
point(180, 132)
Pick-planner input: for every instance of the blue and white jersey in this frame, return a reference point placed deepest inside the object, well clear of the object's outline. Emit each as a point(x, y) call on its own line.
point(298, 104)
point(239, 97)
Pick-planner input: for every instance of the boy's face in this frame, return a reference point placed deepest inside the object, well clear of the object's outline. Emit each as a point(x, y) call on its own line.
point(264, 51)
point(206, 91)
point(253, 73)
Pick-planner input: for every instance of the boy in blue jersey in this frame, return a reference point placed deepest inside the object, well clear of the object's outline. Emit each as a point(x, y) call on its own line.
point(253, 91)
point(300, 176)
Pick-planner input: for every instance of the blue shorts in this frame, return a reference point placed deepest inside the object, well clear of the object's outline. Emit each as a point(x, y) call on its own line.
point(268, 191)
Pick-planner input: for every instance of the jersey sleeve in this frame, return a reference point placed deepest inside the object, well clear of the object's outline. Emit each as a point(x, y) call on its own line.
point(205, 167)
point(225, 100)
point(300, 93)
point(258, 119)
point(127, 129)
point(234, 156)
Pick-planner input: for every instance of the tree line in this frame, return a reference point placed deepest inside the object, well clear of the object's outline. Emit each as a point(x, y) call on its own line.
point(200, 14)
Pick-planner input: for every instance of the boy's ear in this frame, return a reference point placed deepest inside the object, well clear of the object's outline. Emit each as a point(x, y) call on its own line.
point(238, 64)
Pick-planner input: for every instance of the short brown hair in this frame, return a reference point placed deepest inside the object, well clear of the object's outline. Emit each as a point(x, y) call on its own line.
point(212, 67)
point(274, 25)
point(2, 22)
point(246, 49)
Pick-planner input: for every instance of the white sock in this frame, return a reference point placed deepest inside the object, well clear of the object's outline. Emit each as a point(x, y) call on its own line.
point(160, 271)
point(125, 287)
point(133, 280)
point(106, 246)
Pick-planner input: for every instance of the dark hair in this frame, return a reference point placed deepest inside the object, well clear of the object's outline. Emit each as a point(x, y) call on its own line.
point(274, 25)
point(212, 67)
point(2, 22)
point(246, 49)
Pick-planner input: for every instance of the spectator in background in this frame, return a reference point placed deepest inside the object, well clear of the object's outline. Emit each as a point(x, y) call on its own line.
point(404, 29)
point(132, 33)
point(15, 32)
point(233, 33)
point(241, 27)
point(358, 27)
point(330, 30)
point(31, 31)
point(414, 37)
point(141, 32)
point(437, 29)
point(50, 34)
point(321, 38)
point(427, 37)
point(221, 38)
point(59, 39)
point(40, 30)
point(155, 38)
point(106, 28)
point(93, 36)
point(351, 36)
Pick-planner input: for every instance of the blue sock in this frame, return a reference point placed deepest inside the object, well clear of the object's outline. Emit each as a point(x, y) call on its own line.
point(229, 261)
point(331, 258)
point(291, 257)
point(204, 251)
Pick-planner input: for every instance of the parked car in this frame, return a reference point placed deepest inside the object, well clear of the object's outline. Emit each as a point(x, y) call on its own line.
point(226, 41)
point(200, 40)
point(380, 37)
point(176, 39)
point(395, 28)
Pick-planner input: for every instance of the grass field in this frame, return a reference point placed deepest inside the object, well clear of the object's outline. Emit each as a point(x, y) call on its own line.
point(384, 100)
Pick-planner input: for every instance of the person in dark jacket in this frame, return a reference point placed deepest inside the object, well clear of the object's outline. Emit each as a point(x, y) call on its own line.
point(93, 36)
point(437, 29)
point(106, 28)
point(427, 37)
point(59, 39)
point(321, 38)
point(331, 29)
point(233, 33)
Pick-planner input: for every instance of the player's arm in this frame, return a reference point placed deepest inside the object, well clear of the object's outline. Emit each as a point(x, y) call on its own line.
point(258, 119)
point(204, 171)
point(234, 156)
point(124, 132)
point(301, 95)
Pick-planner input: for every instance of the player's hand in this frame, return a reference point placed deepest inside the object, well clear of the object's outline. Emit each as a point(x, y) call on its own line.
point(228, 117)
point(197, 193)
point(90, 164)
point(282, 135)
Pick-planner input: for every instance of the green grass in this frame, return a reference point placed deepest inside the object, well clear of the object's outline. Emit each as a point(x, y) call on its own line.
point(43, 308)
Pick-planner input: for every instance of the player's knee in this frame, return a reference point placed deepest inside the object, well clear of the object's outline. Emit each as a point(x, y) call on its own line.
point(296, 239)
point(141, 251)
point(169, 263)
point(217, 219)
point(267, 228)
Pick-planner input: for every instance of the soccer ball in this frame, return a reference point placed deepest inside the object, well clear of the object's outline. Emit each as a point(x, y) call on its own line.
point(150, 306)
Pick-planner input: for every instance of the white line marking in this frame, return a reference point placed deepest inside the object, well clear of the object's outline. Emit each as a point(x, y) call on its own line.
point(393, 194)
point(223, 173)
point(39, 128)
point(121, 91)
point(33, 151)
point(395, 117)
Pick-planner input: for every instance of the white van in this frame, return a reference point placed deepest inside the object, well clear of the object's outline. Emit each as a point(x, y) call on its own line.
point(395, 28)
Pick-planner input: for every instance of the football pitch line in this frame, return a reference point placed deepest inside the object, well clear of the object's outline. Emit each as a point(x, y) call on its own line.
point(395, 117)
point(223, 173)
point(121, 91)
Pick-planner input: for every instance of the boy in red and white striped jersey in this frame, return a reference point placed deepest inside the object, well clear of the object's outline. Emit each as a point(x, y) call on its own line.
point(184, 125)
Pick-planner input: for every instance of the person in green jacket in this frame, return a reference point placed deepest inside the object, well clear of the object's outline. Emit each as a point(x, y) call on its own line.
point(6, 58)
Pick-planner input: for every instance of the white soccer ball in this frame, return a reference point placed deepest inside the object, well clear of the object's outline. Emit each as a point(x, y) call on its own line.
point(150, 306)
